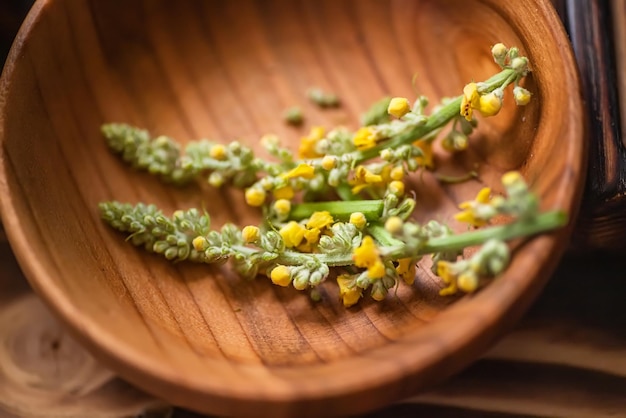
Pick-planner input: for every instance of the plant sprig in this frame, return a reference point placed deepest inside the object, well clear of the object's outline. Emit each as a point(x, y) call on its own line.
point(368, 234)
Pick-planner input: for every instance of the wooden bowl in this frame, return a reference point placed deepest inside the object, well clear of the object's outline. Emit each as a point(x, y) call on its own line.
point(198, 336)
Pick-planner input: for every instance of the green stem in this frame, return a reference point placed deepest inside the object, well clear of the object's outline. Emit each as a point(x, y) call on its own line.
point(521, 228)
point(539, 224)
point(443, 178)
point(436, 120)
point(341, 210)
point(380, 234)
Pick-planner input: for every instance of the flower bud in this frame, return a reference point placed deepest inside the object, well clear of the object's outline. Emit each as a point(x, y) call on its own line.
point(218, 152)
point(398, 107)
point(255, 196)
point(379, 291)
point(490, 103)
point(467, 282)
point(358, 219)
point(249, 234)
point(394, 224)
point(216, 179)
point(521, 96)
point(329, 162)
point(520, 65)
point(499, 52)
point(281, 275)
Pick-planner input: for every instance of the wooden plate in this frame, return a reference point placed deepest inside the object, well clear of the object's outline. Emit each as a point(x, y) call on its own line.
point(199, 336)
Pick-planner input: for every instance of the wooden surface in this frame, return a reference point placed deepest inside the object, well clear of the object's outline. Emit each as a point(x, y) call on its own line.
point(170, 69)
point(597, 34)
point(565, 359)
point(569, 346)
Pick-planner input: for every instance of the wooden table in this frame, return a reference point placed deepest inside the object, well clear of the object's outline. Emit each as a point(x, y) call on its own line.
point(564, 359)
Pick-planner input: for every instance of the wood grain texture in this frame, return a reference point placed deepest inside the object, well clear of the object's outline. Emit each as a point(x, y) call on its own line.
point(200, 337)
point(563, 360)
point(618, 22)
point(44, 372)
point(600, 59)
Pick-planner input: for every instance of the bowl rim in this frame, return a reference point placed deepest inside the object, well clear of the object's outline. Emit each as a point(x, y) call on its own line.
point(437, 359)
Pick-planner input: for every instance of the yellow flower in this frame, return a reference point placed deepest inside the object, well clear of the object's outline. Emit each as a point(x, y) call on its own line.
point(292, 234)
point(469, 214)
point(396, 187)
point(446, 271)
point(200, 243)
point(397, 173)
point(471, 100)
point(364, 178)
point(307, 148)
point(484, 195)
point(394, 224)
point(255, 196)
point(329, 162)
point(312, 236)
point(281, 275)
point(490, 103)
point(348, 290)
point(218, 152)
point(317, 132)
point(320, 220)
point(468, 282)
point(305, 171)
point(426, 159)
point(398, 107)
point(308, 143)
point(521, 96)
point(511, 177)
point(282, 207)
point(250, 234)
point(358, 219)
point(377, 270)
point(285, 192)
point(406, 270)
point(365, 138)
point(368, 256)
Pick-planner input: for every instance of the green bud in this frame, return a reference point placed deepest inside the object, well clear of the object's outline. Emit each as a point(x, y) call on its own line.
point(216, 179)
point(159, 247)
point(316, 295)
point(213, 254)
point(268, 256)
point(272, 242)
point(316, 278)
point(293, 115)
point(171, 253)
point(214, 238)
point(136, 226)
point(379, 291)
point(300, 279)
point(363, 281)
point(183, 252)
point(335, 176)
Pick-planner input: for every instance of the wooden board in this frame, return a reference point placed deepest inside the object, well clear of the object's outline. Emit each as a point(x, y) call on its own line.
point(565, 359)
